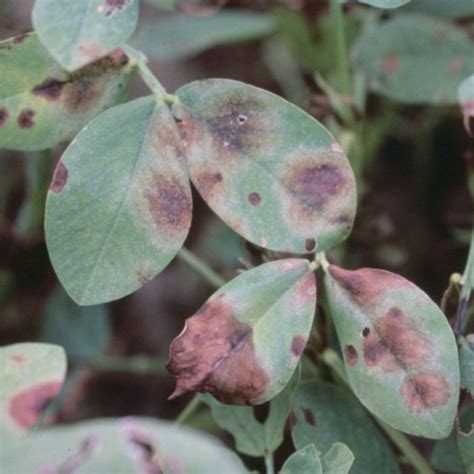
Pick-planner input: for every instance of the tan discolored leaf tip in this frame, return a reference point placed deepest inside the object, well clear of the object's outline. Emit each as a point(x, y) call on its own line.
point(215, 354)
point(60, 177)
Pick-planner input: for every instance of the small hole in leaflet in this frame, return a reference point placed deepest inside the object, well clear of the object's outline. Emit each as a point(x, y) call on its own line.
point(365, 332)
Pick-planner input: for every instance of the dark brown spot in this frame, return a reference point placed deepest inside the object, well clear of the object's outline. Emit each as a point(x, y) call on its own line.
point(60, 177)
point(25, 119)
point(308, 416)
point(390, 64)
point(215, 354)
point(365, 332)
point(3, 116)
point(49, 89)
point(26, 406)
point(395, 344)
point(119, 57)
point(208, 182)
point(254, 198)
point(113, 5)
point(310, 244)
point(169, 202)
point(424, 391)
point(298, 344)
point(351, 355)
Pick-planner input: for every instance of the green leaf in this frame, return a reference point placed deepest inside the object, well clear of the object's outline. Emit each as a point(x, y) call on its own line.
point(119, 206)
point(304, 461)
point(42, 105)
point(465, 438)
point(325, 414)
point(163, 4)
point(268, 169)
point(79, 32)
point(182, 36)
point(466, 363)
point(449, 9)
point(338, 460)
point(415, 59)
point(381, 3)
point(466, 101)
point(243, 345)
point(399, 349)
point(31, 374)
point(121, 447)
point(83, 332)
point(445, 455)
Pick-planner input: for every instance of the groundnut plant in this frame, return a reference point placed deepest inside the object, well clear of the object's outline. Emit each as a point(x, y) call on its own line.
point(119, 209)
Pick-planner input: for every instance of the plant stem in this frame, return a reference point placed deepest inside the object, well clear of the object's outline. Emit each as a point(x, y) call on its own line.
point(191, 408)
point(37, 168)
point(136, 364)
point(201, 267)
point(270, 469)
point(332, 359)
point(340, 48)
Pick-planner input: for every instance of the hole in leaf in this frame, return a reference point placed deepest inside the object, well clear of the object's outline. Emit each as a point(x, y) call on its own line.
point(241, 119)
point(365, 332)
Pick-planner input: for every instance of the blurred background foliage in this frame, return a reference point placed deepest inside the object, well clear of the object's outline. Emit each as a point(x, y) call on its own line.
point(393, 107)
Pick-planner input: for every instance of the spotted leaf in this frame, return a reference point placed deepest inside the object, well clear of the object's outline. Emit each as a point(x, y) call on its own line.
point(31, 375)
point(77, 33)
point(324, 414)
point(415, 58)
point(128, 445)
point(119, 205)
point(42, 105)
point(466, 101)
point(243, 345)
point(398, 347)
point(269, 170)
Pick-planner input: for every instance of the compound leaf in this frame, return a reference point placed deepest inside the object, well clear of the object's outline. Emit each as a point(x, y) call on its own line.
point(79, 32)
point(466, 101)
point(31, 374)
point(120, 447)
point(304, 461)
point(42, 105)
point(243, 345)
point(268, 169)
point(119, 206)
point(324, 414)
point(415, 59)
point(181, 36)
point(399, 349)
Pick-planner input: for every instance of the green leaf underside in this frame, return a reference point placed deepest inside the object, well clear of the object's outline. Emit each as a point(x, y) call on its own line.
point(415, 59)
point(83, 332)
point(181, 36)
point(41, 105)
point(324, 414)
point(120, 447)
point(399, 351)
point(79, 32)
point(119, 207)
point(244, 344)
point(31, 374)
point(304, 461)
point(268, 169)
point(252, 437)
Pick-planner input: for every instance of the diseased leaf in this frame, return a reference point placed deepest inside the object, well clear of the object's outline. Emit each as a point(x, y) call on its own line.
point(338, 460)
point(119, 206)
point(42, 105)
point(381, 3)
point(243, 345)
point(415, 59)
point(466, 363)
point(449, 9)
point(466, 101)
point(121, 446)
point(268, 169)
point(304, 461)
point(77, 33)
point(182, 36)
point(324, 414)
point(399, 349)
point(31, 375)
point(83, 332)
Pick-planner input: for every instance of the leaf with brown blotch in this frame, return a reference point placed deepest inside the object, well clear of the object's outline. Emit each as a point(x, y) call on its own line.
point(31, 375)
point(243, 345)
point(399, 350)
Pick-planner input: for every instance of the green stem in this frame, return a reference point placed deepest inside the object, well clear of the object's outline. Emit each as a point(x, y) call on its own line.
point(37, 168)
point(270, 469)
point(332, 359)
point(191, 408)
point(340, 48)
point(139, 365)
point(194, 262)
